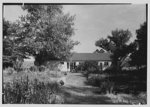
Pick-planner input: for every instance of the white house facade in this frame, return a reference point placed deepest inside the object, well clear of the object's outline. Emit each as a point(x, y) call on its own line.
point(103, 59)
point(64, 66)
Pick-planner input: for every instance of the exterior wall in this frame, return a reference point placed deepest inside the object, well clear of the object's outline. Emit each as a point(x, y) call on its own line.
point(76, 63)
point(63, 67)
point(109, 63)
point(103, 64)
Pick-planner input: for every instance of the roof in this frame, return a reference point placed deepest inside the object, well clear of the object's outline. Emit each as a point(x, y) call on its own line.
point(91, 57)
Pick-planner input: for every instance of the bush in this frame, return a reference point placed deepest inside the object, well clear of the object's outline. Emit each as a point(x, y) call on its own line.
point(23, 91)
point(42, 68)
point(89, 67)
point(107, 87)
point(9, 70)
point(101, 81)
point(17, 65)
point(33, 68)
point(53, 65)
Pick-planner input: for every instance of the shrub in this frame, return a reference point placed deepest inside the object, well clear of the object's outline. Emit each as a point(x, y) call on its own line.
point(9, 70)
point(94, 79)
point(24, 91)
point(53, 65)
point(89, 67)
point(101, 81)
point(54, 74)
point(17, 65)
point(143, 97)
point(33, 68)
point(42, 68)
point(107, 87)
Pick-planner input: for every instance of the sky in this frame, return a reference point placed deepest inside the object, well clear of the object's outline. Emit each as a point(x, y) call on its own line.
point(93, 22)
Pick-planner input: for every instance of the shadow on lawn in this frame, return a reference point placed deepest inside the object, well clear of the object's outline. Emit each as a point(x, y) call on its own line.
point(83, 95)
point(129, 82)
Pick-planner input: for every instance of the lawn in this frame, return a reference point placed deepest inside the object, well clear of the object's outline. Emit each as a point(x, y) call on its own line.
point(125, 86)
point(32, 87)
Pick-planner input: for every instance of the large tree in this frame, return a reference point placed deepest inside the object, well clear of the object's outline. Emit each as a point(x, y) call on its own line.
point(117, 44)
point(45, 33)
point(49, 32)
point(139, 56)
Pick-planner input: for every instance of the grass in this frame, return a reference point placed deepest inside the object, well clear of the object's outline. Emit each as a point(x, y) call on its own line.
point(120, 88)
point(129, 82)
point(129, 86)
point(31, 87)
point(24, 91)
point(123, 98)
point(46, 76)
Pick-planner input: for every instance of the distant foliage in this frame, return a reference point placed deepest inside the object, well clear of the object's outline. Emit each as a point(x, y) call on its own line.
point(116, 43)
point(89, 67)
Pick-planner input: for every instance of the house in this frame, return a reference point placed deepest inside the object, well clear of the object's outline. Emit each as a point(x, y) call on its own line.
point(103, 59)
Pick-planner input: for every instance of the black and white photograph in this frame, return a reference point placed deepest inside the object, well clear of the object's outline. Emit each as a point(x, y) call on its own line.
point(74, 53)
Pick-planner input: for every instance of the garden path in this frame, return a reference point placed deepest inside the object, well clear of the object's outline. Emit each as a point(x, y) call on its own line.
point(76, 91)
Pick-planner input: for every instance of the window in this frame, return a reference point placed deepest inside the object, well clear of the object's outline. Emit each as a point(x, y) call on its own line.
point(105, 63)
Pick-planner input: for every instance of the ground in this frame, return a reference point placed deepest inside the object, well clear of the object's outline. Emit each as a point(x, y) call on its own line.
point(76, 91)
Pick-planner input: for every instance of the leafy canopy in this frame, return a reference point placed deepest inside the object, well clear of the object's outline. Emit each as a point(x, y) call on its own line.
point(44, 32)
point(139, 56)
point(117, 44)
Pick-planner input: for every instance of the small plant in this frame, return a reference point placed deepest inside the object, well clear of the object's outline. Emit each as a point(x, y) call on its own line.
point(24, 91)
point(42, 68)
point(33, 68)
point(107, 87)
point(89, 67)
point(17, 65)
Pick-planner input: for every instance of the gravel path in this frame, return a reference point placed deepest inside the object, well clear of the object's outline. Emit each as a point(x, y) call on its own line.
point(75, 79)
point(76, 91)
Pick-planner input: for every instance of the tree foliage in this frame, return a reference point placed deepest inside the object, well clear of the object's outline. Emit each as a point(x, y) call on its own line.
point(13, 53)
point(139, 56)
point(103, 43)
point(116, 43)
point(44, 32)
point(49, 32)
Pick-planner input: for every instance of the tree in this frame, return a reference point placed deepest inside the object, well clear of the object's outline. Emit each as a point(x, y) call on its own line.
point(49, 32)
point(103, 43)
point(45, 33)
point(13, 53)
point(7, 50)
point(139, 56)
point(117, 45)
